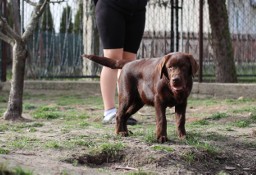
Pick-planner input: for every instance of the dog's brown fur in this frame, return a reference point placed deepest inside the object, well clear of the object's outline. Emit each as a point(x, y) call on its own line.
point(159, 82)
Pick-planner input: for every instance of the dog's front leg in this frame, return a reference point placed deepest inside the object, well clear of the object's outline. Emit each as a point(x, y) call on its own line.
point(180, 112)
point(161, 124)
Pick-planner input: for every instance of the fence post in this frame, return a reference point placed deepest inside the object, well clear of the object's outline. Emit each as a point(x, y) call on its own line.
point(201, 37)
point(172, 27)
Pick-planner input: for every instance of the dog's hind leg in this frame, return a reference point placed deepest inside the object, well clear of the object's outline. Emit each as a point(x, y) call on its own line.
point(121, 126)
point(124, 112)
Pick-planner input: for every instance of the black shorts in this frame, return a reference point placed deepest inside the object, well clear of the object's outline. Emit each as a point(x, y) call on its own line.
point(120, 24)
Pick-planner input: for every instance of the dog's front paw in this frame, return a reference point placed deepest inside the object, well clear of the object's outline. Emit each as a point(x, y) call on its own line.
point(182, 134)
point(162, 139)
point(123, 133)
point(182, 137)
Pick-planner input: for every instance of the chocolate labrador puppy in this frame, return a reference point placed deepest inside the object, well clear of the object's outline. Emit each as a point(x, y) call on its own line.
point(159, 82)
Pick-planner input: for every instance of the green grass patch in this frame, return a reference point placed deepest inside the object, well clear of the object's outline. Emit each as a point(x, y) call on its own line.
point(245, 122)
point(75, 115)
point(4, 170)
point(48, 112)
point(22, 142)
point(140, 172)
point(3, 99)
point(28, 106)
point(3, 127)
point(162, 148)
point(202, 122)
point(21, 171)
point(70, 100)
point(253, 118)
point(189, 156)
point(19, 127)
point(108, 150)
point(218, 116)
point(150, 136)
point(250, 109)
point(4, 151)
point(72, 143)
point(95, 101)
point(202, 102)
point(195, 141)
point(78, 141)
point(53, 144)
point(2, 112)
point(111, 148)
point(242, 123)
point(82, 142)
point(29, 96)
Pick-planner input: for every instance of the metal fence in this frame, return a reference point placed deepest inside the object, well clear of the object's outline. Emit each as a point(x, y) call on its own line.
point(171, 25)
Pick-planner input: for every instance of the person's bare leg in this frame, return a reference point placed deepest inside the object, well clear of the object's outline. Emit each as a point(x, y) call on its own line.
point(108, 81)
point(127, 55)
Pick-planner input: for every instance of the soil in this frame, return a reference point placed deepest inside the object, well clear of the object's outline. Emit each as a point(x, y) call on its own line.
point(235, 146)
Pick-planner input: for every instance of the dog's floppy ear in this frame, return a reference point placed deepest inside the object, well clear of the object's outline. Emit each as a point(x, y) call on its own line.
point(162, 68)
point(194, 65)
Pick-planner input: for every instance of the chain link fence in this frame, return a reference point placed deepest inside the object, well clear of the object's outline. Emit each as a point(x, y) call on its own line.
point(171, 25)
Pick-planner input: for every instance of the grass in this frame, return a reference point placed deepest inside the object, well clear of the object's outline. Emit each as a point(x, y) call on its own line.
point(150, 136)
point(70, 100)
point(48, 112)
point(111, 148)
point(189, 156)
point(71, 143)
point(4, 170)
point(218, 116)
point(54, 144)
point(23, 142)
point(72, 123)
point(202, 122)
point(14, 171)
point(19, 127)
point(195, 140)
point(107, 150)
point(245, 109)
point(162, 148)
point(4, 151)
point(141, 173)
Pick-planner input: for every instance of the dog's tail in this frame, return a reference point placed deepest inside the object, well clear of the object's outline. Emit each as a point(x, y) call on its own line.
point(111, 63)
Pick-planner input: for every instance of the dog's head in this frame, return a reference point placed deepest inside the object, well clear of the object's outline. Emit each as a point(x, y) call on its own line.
point(178, 68)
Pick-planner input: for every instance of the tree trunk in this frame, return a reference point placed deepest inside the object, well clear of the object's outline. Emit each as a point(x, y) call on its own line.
point(20, 53)
point(225, 70)
point(14, 108)
point(91, 39)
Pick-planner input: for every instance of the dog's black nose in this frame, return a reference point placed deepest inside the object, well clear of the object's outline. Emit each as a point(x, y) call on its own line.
point(176, 79)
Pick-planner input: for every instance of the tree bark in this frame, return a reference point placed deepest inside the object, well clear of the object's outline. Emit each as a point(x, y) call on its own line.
point(91, 39)
point(18, 42)
point(225, 70)
point(14, 107)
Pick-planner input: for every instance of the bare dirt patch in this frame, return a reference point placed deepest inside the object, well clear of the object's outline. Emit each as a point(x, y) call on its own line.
point(65, 136)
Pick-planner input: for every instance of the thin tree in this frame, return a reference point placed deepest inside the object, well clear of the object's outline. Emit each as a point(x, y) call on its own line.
point(47, 20)
point(78, 23)
point(66, 25)
point(91, 40)
point(225, 70)
point(18, 40)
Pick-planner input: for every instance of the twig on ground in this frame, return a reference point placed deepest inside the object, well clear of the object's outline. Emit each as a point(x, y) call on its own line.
point(126, 168)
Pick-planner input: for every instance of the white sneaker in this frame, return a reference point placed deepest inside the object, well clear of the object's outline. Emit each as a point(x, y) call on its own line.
point(109, 118)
